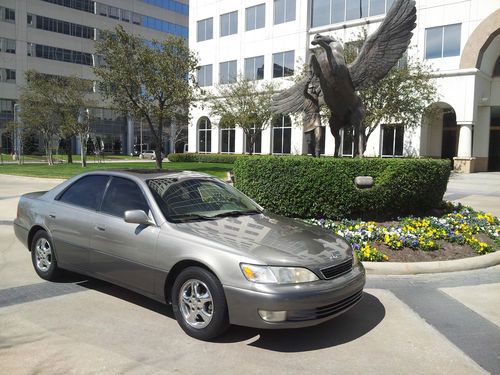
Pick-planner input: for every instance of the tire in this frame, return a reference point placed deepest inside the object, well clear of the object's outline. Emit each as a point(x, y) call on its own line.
point(205, 317)
point(43, 258)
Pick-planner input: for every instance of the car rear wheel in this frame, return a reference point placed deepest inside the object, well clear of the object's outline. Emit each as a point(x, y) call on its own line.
point(199, 303)
point(42, 256)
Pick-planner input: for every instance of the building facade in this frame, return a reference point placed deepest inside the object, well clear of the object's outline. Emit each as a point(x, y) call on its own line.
point(57, 37)
point(271, 39)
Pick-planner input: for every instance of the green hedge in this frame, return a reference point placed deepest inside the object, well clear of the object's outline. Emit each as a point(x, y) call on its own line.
point(205, 158)
point(309, 187)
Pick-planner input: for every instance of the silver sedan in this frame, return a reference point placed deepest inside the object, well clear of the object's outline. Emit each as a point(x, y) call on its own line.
point(193, 241)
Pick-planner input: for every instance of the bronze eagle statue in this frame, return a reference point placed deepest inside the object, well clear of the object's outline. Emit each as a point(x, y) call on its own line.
point(330, 81)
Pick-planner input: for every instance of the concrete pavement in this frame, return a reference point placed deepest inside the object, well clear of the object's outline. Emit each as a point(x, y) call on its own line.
point(478, 190)
point(426, 324)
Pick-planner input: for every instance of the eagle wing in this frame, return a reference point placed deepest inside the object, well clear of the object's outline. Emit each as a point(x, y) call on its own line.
point(304, 97)
point(290, 100)
point(385, 46)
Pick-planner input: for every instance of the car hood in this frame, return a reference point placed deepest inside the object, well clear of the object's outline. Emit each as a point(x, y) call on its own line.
point(273, 239)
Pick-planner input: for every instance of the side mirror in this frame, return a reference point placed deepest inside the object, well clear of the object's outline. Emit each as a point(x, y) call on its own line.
point(137, 217)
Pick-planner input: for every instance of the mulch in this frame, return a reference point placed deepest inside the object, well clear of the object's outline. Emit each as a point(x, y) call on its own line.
point(447, 251)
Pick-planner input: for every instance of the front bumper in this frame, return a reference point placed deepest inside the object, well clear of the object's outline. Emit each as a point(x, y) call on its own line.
point(306, 304)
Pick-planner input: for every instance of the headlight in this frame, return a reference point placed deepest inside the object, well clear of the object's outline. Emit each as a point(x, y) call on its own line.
point(277, 275)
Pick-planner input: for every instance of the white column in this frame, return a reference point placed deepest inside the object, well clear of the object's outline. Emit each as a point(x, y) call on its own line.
point(130, 135)
point(78, 146)
point(465, 141)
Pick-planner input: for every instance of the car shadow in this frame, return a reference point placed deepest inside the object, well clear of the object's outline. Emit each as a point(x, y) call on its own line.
point(116, 291)
point(355, 323)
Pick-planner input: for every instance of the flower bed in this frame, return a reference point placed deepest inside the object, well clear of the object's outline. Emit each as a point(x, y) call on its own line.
point(462, 229)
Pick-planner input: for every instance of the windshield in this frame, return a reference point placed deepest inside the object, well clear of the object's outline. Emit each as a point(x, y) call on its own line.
point(199, 199)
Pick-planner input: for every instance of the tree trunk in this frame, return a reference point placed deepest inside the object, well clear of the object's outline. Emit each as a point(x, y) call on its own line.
point(83, 149)
point(159, 144)
point(67, 148)
point(48, 150)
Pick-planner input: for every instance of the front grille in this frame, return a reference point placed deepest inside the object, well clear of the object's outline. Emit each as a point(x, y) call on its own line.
point(337, 270)
point(325, 311)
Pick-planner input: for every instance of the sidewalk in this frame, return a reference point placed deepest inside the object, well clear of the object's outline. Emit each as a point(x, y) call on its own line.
point(478, 190)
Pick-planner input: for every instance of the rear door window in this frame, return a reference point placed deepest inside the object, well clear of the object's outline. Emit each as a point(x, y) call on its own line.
point(123, 195)
point(86, 192)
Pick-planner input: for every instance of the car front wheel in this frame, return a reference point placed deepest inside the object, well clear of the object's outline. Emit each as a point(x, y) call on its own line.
point(199, 303)
point(42, 256)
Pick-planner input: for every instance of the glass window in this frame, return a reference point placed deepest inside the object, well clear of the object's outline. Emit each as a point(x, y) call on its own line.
point(392, 140)
point(7, 45)
point(123, 195)
point(86, 192)
point(326, 12)
point(170, 5)
point(227, 72)
point(205, 75)
point(227, 140)
point(255, 17)
point(229, 23)
point(10, 75)
point(204, 135)
point(125, 15)
point(442, 41)
point(451, 40)
point(282, 134)
point(254, 68)
point(199, 199)
point(205, 29)
point(85, 5)
point(283, 64)
point(284, 11)
point(377, 7)
point(356, 9)
point(320, 12)
point(337, 11)
point(9, 14)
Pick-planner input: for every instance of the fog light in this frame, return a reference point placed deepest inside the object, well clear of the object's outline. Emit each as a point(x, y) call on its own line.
point(273, 316)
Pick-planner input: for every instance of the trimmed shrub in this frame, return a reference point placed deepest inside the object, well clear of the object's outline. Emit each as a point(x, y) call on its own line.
point(204, 158)
point(307, 187)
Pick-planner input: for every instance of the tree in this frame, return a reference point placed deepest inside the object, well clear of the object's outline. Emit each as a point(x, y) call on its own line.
point(401, 98)
point(50, 105)
point(37, 110)
point(148, 80)
point(244, 104)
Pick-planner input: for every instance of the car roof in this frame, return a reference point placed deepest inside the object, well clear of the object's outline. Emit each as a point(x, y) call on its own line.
point(147, 174)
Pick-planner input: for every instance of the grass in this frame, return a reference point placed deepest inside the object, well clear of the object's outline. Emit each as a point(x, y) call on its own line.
point(68, 170)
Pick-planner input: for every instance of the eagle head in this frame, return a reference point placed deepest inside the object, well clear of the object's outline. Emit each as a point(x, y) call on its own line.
point(322, 40)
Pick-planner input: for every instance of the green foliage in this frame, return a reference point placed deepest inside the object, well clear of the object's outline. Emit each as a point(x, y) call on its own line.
point(150, 81)
point(306, 187)
point(50, 106)
point(244, 104)
point(203, 158)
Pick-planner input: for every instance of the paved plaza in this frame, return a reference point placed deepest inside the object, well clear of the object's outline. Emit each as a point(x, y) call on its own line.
point(425, 324)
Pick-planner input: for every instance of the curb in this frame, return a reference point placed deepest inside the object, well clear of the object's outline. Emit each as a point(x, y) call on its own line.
point(414, 268)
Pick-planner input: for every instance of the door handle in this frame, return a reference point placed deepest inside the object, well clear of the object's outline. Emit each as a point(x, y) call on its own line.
point(99, 228)
point(52, 216)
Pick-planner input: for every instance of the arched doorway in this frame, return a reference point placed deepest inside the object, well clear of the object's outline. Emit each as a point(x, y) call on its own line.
point(449, 141)
point(494, 146)
point(440, 132)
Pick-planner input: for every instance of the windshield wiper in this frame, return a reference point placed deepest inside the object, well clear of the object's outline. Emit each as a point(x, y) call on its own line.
point(190, 217)
point(237, 213)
